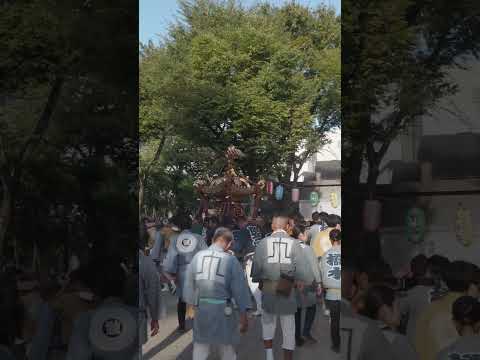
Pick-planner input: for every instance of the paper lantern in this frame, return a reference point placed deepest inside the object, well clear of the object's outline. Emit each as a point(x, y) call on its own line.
point(270, 187)
point(295, 195)
point(463, 225)
point(416, 225)
point(372, 215)
point(279, 192)
point(334, 199)
point(314, 198)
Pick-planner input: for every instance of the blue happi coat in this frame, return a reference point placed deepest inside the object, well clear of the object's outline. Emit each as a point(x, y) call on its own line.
point(149, 293)
point(215, 280)
point(180, 254)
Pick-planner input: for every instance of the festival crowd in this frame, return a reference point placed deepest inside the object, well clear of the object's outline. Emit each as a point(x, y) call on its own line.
point(226, 271)
point(430, 313)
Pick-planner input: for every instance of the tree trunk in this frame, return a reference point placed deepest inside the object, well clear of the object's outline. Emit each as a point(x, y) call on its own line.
point(143, 177)
point(10, 184)
point(141, 194)
point(5, 217)
point(373, 173)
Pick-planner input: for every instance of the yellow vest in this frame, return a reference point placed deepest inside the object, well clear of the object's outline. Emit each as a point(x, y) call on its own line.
point(435, 329)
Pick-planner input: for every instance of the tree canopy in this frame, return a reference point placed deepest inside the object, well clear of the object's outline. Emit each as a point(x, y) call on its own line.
point(215, 80)
point(395, 69)
point(68, 126)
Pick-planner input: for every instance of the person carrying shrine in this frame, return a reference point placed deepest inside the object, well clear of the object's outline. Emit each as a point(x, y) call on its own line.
point(181, 251)
point(466, 318)
point(149, 292)
point(321, 242)
point(319, 224)
point(361, 337)
point(279, 266)
point(111, 330)
point(216, 287)
point(307, 299)
point(331, 269)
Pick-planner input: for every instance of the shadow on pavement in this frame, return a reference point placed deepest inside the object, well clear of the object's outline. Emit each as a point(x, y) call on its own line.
point(170, 339)
point(186, 354)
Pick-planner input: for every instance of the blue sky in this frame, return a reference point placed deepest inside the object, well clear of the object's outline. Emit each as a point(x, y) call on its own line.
point(156, 15)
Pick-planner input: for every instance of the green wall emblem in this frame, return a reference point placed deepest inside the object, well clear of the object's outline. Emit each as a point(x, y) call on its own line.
point(416, 223)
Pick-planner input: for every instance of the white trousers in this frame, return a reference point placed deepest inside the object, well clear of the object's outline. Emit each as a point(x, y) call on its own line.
point(287, 322)
point(201, 351)
point(257, 293)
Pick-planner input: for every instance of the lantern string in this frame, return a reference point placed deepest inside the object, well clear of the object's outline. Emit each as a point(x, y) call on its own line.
point(305, 186)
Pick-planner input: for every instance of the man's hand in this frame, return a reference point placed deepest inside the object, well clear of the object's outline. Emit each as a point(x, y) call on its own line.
point(173, 287)
point(300, 285)
point(243, 323)
point(260, 285)
point(319, 290)
point(190, 314)
point(154, 327)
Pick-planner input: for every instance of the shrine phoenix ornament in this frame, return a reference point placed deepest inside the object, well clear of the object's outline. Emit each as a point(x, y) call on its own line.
point(225, 193)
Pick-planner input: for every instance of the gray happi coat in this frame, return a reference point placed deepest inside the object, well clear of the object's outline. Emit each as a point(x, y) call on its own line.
point(361, 338)
point(308, 296)
point(331, 267)
point(466, 347)
point(80, 346)
point(176, 261)
point(214, 280)
point(279, 254)
point(149, 293)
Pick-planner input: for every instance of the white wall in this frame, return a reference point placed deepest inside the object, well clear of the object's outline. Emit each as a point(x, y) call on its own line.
point(440, 238)
point(452, 115)
point(331, 151)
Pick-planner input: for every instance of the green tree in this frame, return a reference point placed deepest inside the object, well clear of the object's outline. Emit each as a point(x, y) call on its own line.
point(395, 68)
point(68, 125)
point(218, 81)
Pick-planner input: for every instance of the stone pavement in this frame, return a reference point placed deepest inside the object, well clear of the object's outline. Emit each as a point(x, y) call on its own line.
point(169, 345)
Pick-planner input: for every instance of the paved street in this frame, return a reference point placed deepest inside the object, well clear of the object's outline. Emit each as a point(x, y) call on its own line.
point(168, 345)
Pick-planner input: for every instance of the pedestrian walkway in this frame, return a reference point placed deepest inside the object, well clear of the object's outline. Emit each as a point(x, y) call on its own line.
point(169, 345)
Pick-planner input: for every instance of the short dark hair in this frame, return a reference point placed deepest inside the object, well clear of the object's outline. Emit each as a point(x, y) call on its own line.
point(437, 265)
point(213, 219)
point(323, 216)
point(297, 230)
point(182, 220)
point(110, 278)
point(375, 298)
point(377, 270)
point(466, 310)
point(418, 265)
point(241, 218)
point(142, 236)
point(335, 235)
point(228, 222)
point(459, 275)
point(333, 220)
point(316, 216)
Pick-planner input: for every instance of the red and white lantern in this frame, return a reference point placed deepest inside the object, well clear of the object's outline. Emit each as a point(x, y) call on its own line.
point(372, 215)
point(270, 187)
point(295, 195)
